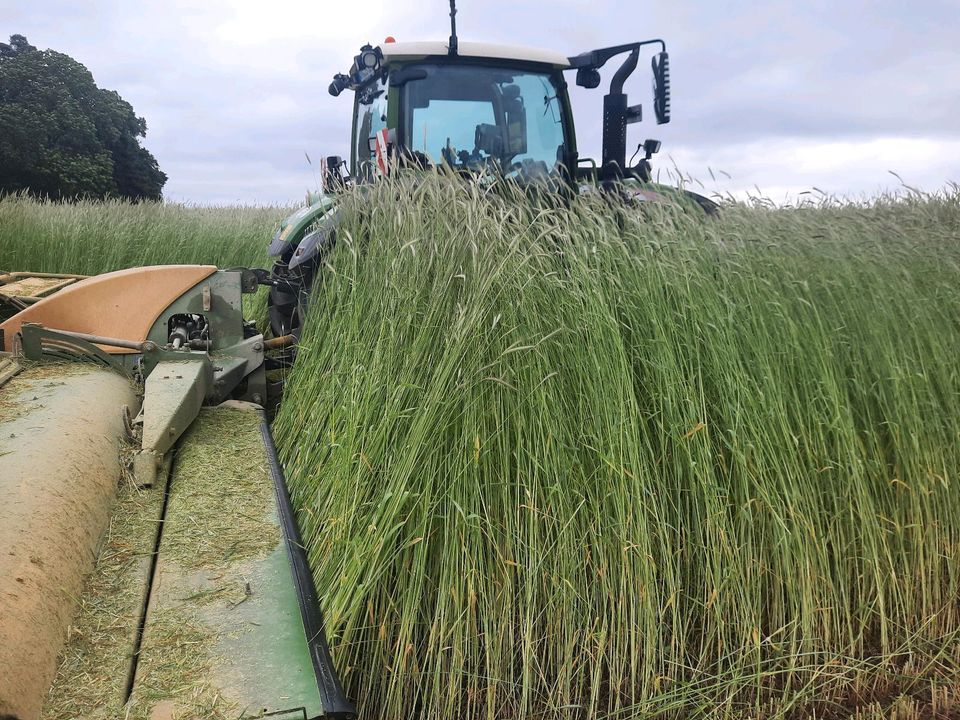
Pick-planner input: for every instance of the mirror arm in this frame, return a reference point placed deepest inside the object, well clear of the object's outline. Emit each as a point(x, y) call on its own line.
point(616, 115)
point(596, 59)
point(624, 71)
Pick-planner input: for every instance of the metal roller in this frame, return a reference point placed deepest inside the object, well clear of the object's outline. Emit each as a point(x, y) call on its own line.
point(60, 429)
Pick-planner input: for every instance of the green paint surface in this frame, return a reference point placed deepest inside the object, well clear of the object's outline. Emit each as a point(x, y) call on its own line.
point(224, 636)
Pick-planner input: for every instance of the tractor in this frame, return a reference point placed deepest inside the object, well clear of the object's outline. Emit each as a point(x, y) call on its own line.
point(481, 111)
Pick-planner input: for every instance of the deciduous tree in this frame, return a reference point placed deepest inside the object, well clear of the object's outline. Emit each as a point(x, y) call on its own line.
point(61, 136)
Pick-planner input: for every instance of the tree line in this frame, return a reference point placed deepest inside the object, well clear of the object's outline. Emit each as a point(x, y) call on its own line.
point(62, 137)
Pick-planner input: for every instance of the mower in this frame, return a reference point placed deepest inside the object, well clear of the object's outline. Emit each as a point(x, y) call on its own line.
point(102, 373)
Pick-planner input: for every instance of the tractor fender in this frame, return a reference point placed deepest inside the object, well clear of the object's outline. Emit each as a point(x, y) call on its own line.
point(312, 234)
point(654, 192)
point(291, 230)
point(317, 241)
point(709, 206)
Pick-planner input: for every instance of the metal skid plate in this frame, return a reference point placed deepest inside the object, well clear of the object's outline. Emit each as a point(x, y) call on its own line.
point(173, 395)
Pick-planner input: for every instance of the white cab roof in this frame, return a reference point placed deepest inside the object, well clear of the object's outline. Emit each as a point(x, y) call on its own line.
point(417, 50)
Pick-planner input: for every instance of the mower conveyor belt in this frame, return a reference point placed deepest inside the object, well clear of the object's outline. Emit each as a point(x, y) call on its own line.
point(223, 635)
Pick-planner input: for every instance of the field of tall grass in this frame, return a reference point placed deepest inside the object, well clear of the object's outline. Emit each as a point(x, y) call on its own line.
point(608, 462)
point(596, 462)
point(88, 238)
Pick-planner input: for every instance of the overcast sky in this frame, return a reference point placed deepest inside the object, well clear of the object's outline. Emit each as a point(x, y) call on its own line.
point(782, 95)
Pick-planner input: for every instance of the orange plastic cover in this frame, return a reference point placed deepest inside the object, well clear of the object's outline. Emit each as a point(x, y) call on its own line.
point(124, 304)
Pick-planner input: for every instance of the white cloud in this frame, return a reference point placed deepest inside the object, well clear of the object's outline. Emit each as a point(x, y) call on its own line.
point(782, 95)
point(781, 169)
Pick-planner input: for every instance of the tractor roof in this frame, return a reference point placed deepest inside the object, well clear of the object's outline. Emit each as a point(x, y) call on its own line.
point(418, 50)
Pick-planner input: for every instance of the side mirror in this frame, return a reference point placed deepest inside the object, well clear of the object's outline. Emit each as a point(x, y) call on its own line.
point(588, 78)
point(661, 87)
point(516, 133)
point(489, 139)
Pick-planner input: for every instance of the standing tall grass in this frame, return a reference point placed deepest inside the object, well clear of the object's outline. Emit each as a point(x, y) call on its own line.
point(91, 237)
point(593, 461)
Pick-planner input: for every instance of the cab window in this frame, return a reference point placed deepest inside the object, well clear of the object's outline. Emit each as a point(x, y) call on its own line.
point(370, 116)
point(484, 117)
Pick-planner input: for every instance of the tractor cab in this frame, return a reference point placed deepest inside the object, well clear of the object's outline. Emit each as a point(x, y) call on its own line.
point(481, 108)
point(487, 109)
point(476, 109)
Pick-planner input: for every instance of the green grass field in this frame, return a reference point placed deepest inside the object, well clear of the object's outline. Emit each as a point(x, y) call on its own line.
point(604, 462)
point(95, 237)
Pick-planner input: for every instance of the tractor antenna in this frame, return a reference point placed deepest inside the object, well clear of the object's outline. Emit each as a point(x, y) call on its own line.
point(453, 27)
